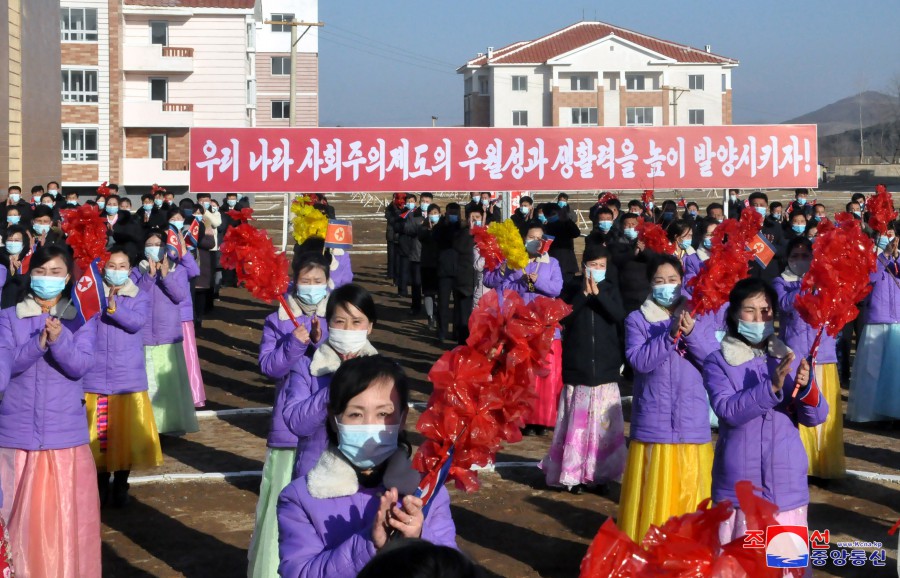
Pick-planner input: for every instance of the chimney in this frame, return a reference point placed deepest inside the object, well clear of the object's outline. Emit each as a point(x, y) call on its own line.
point(480, 54)
point(490, 52)
point(708, 48)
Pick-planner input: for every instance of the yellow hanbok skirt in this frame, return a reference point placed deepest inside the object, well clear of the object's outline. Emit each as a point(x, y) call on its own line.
point(825, 443)
point(661, 481)
point(130, 440)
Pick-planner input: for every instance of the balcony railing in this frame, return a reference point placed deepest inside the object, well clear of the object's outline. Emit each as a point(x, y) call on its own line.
point(170, 165)
point(177, 107)
point(177, 52)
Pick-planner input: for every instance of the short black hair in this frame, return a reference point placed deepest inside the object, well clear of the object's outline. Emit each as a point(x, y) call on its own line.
point(352, 294)
point(147, 197)
point(312, 260)
point(203, 196)
point(172, 212)
point(604, 211)
point(411, 196)
point(593, 251)
point(798, 192)
point(119, 248)
point(850, 204)
point(775, 205)
point(692, 203)
point(53, 183)
point(630, 216)
point(713, 206)
point(614, 203)
point(426, 195)
point(562, 196)
point(408, 558)
point(677, 228)
point(14, 188)
point(470, 209)
point(758, 195)
point(48, 253)
point(42, 211)
point(454, 207)
point(526, 199)
point(37, 189)
point(658, 260)
point(857, 197)
point(817, 205)
point(742, 290)
point(795, 242)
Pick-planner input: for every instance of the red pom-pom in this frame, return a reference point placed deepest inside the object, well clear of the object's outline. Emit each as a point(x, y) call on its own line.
point(647, 197)
point(245, 214)
point(85, 232)
point(654, 238)
point(156, 189)
point(259, 267)
point(607, 197)
point(881, 210)
point(488, 248)
point(838, 278)
point(103, 190)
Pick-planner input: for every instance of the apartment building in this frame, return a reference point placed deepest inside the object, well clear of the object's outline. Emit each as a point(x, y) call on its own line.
point(29, 107)
point(597, 74)
point(137, 75)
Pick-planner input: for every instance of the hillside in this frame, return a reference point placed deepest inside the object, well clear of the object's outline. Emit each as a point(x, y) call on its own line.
point(843, 115)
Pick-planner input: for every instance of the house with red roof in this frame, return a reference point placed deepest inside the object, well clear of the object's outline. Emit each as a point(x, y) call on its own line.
point(597, 74)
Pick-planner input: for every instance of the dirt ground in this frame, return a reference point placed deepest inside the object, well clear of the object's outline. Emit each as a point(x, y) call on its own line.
point(515, 526)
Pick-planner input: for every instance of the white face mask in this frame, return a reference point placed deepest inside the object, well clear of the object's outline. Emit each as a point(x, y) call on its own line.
point(346, 341)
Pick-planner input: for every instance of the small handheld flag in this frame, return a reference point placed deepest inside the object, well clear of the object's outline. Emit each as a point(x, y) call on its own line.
point(763, 251)
point(546, 241)
point(339, 235)
point(434, 481)
point(192, 233)
point(174, 249)
point(88, 294)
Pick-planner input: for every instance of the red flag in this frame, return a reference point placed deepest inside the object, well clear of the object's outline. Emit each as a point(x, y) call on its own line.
point(173, 244)
point(192, 234)
point(339, 235)
point(88, 294)
point(763, 251)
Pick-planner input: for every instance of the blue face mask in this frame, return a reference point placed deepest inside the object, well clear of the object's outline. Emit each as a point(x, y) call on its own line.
point(817, 218)
point(453, 218)
point(801, 201)
point(524, 210)
point(542, 218)
point(798, 228)
point(598, 275)
point(685, 244)
point(424, 206)
point(231, 202)
point(858, 214)
point(154, 254)
point(761, 210)
point(410, 206)
point(115, 277)
point(666, 294)
point(776, 216)
point(367, 446)
point(48, 204)
point(311, 294)
point(48, 287)
point(205, 205)
point(707, 244)
point(755, 332)
point(41, 229)
point(883, 242)
point(562, 204)
point(53, 192)
point(533, 246)
point(14, 247)
point(177, 224)
point(604, 226)
point(692, 213)
point(71, 202)
point(101, 204)
point(112, 210)
point(15, 198)
point(630, 233)
point(553, 219)
point(148, 208)
point(157, 202)
point(668, 216)
point(13, 219)
point(434, 219)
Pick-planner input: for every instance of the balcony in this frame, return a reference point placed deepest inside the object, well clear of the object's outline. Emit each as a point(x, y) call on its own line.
point(157, 58)
point(146, 172)
point(156, 114)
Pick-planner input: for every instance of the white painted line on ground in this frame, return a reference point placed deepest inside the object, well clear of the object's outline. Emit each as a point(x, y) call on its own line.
point(872, 476)
point(209, 413)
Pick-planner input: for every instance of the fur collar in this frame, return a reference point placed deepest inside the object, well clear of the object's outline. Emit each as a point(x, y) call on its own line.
point(790, 276)
point(129, 289)
point(326, 360)
point(294, 304)
point(28, 307)
point(334, 477)
point(703, 254)
point(688, 251)
point(655, 313)
point(736, 352)
point(544, 258)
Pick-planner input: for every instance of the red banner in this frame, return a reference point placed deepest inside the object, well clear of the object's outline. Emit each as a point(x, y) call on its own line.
point(249, 160)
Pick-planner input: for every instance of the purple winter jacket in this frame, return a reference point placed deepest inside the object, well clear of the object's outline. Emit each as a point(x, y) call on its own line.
point(325, 518)
point(163, 323)
point(119, 365)
point(884, 301)
point(280, 353)
point(549, 280)
point(305, 405)
point(669, 405)
point(341, 272)
point(692, 263)
point(43, 405)
point(190, 265)
point(794, 331)
point(758, 436)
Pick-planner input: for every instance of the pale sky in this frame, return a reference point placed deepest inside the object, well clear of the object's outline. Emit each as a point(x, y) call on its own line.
point(392, 63)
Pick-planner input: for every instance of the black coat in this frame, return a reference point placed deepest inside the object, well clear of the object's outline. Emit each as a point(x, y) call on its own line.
point(464, 248)
point(632, 272)
point(564, 233)
point(444, 234)
point(127, 232)
point(590, 339)
point(407, 229)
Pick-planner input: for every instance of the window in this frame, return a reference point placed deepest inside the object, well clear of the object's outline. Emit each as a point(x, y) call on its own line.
point(468, 85)
point(520, 118)
point(582, 83)
point(158, 146)
point(695, 81)
point(281, 65)
point(281, 109)
point(251, 93)
point(584, 116)
point(159, 89)
point(79, 144)
point(483, 84)
point(639, 116)
point(724, 83)
point(282, 18)
point(696, 116)
point(634, 81)
point(614, 83)
point(79, 24)
point(520, 83)
point(79, 86)
point(159, 33)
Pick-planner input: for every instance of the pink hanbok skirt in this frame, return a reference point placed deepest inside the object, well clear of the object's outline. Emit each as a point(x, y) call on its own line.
point(548, 389)
point(198, 392)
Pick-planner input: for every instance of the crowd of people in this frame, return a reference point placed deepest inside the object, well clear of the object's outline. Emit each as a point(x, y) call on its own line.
point(84, 403)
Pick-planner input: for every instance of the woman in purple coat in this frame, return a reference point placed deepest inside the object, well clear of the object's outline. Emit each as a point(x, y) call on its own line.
point(165, 283)
point(286, 349)
point(120, 417)
point(47, 474)
point(670, 455)
point(332, 521)
point(874, 386)
point(751, 382)
point(541, 277)
point(824, 443)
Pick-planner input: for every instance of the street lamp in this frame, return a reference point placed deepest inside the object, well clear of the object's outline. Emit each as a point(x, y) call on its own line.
point(433, 121)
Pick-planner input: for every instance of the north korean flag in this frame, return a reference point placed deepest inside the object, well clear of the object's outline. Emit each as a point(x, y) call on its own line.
point(434, 481)
point(173, 244)
point(88, 293)
point(192, 233)
point(339, 235)
point(763, 251)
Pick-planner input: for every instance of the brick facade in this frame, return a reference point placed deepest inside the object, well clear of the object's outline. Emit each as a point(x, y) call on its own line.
point(643, 98)
point(84, 54)
point(115, 91)
point(726, 107)
point(480, 110)
point(80, 114)
point(560, 99)
point(87, 172)
point(178, 142)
